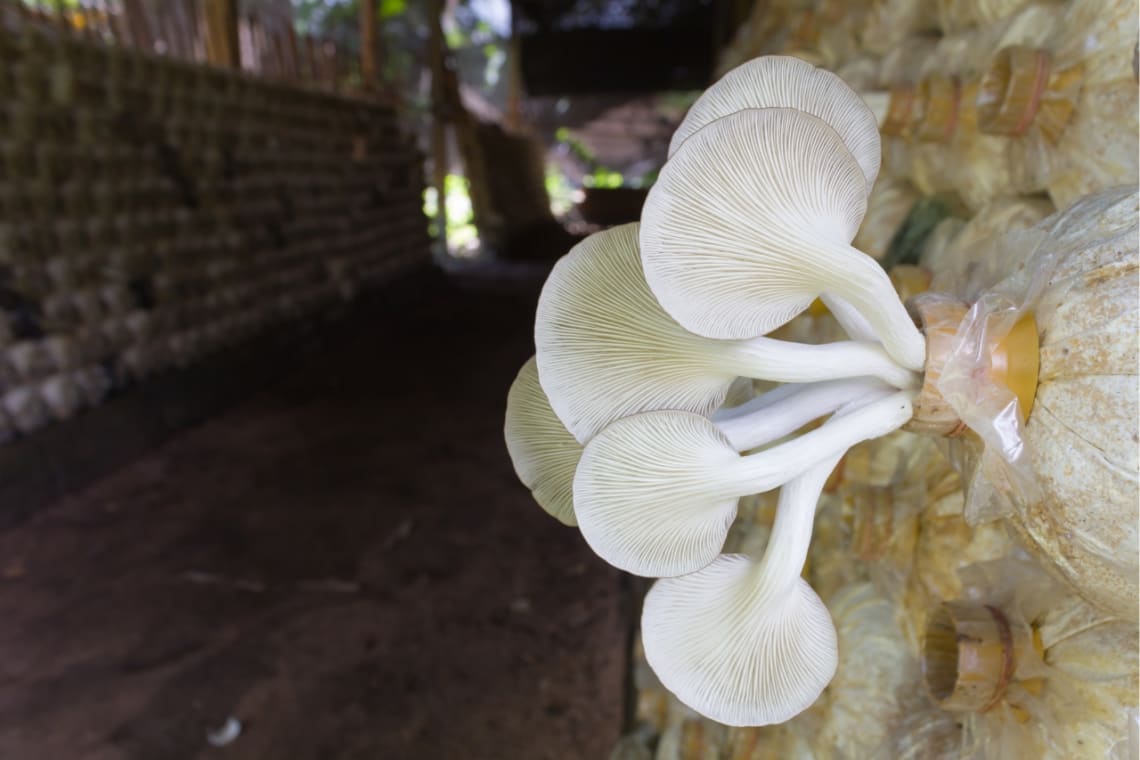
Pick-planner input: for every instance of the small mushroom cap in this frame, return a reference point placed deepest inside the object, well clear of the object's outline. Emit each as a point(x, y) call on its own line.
point(731, 652)
point(656, 493)
point(652, 493)
point(542, 450)
point(747, 220)
point(606, 348)
point(779, 81)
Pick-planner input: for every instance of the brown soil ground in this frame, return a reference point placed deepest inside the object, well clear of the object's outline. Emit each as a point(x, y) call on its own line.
point(345, 563)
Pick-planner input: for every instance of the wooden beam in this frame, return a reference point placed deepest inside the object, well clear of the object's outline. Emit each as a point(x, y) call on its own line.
point(369, 60)
point(439, 109)
point(222, 46)
point(513, 119)
point(138, 24)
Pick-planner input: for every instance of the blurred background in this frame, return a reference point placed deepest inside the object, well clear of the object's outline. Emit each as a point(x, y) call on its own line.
point(267, 269)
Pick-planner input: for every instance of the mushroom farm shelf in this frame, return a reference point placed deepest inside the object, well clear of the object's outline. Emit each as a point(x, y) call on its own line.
point(154, 212)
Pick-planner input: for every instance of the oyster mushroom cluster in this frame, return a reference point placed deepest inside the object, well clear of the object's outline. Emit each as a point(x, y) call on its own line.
point(618, 425)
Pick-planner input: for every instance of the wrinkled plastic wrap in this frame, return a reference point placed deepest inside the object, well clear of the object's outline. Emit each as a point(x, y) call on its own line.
point(1071, 695)
point(951, 154)
point(868, 522)
point(840, 24)
point(853, 716)
point(689, 736)
point(955, 239)
point(939, 244)
point(1066, 478)
point(860, 73)
point(932, 168)
point(956, 15)
point(904, 60)
point(1069, 105)
point(887, 207)
point(986, 167)
point(946, 543)
point(888, 22)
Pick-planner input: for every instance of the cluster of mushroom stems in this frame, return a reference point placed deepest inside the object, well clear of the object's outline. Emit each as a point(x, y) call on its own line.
point(618, 425)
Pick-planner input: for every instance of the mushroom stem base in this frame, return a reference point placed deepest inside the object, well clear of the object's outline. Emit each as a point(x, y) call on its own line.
point(1013, 364)
point(970, 654)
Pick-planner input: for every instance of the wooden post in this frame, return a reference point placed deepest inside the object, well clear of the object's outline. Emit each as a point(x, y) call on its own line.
point(439, 108)
point(313, 72)
point(513, 120)
point(294, 54)
point(222, 46)
point(138, 25)
point(369, 63)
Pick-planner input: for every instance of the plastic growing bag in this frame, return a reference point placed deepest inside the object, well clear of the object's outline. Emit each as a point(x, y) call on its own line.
point(951, 154)
point(1067, 476)
point(1069, 106)
point(887, 207)
point(1030, 669)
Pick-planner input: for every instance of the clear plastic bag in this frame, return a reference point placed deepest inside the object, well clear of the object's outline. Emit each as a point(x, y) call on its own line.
point(1069, 104)
point(840, 23)
point(1033, 670)
point(1066, 477)
point(956, 15)
point(860, 73)
point(898, 72)
point(888, 206)
point(951, 154)
point(954, 240)
point(863, 699)
point(888, 22)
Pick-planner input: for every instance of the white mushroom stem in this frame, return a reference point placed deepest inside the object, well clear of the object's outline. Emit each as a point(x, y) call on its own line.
point(764, 420)
point(853, 323)
point(756, 403)
point(767, 469)
point(783, 361)
point(790, 538)
point(606, 349)
point(655, 493)
point(863, 289)
point(747, 643)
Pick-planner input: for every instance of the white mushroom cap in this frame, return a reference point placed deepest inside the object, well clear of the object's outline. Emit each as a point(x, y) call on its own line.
point(542, 451)
point(655, 493)
point(747, 643)
point(779, 81)
point(752, 219)
point(606, 348)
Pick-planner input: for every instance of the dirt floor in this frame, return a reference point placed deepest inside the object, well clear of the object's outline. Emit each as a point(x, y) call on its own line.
point(345, 564)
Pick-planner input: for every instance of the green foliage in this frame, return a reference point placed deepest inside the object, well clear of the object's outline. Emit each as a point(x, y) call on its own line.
point(907, 242)
point(645, 180)
point(456, 38)
point(462, 235)
point(559, 190)
point(577, 148)
point(603, 178)
point(600, 176)
point(390, 9)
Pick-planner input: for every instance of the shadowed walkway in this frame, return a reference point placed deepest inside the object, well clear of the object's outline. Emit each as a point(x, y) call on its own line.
point(345, 563)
